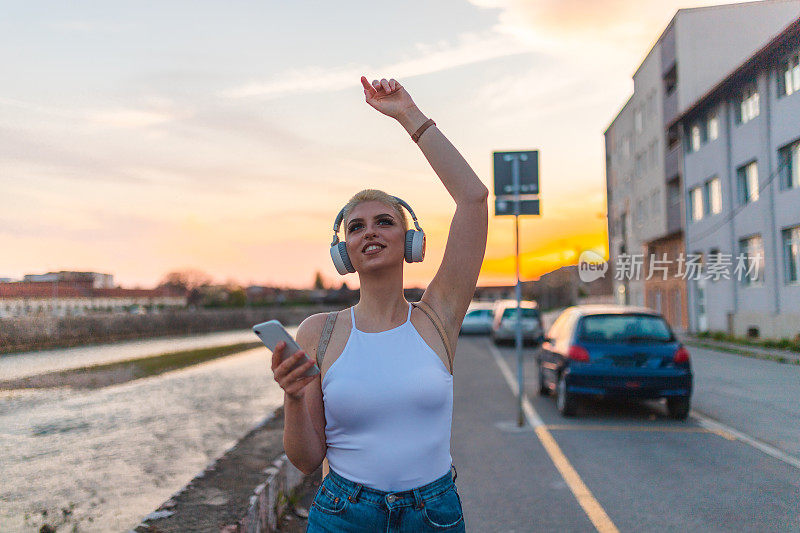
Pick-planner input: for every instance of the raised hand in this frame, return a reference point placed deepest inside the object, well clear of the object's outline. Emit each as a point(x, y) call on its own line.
point(388, 97)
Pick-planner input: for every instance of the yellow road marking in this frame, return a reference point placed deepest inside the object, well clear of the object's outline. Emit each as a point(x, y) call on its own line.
point(665, 429)
point(723, 434)
point(590, 505)
point(594, 511)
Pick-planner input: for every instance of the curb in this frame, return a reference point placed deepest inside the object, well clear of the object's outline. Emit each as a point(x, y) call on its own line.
point(269, 500)
point(779, 356)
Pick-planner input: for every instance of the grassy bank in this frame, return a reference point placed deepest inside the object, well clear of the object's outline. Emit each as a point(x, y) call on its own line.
point(791, 345)
point(103, 375)
point(743, 352)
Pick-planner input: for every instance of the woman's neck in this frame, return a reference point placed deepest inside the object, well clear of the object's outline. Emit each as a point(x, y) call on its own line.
point(381, 303)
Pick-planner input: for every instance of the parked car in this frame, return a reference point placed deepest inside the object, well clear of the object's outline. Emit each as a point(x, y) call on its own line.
point(505, 322)
point(478, 320)
point(613, 350)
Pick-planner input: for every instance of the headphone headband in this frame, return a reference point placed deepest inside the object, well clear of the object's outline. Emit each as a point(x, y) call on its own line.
point(340, 216)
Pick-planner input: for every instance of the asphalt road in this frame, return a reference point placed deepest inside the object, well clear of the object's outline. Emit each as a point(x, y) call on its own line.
point(641, 471)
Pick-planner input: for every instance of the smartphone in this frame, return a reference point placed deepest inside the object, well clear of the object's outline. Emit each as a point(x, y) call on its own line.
point(273, 332)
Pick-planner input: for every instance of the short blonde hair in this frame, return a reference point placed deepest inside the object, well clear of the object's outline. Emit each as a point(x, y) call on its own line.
point(369, 195)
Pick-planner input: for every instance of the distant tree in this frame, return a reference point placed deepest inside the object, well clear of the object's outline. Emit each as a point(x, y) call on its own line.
point(185, 280)
point(318, 283)
point(195, 297)
point(237, 297)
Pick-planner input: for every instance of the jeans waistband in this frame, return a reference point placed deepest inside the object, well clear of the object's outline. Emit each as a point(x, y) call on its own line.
point(400, 498)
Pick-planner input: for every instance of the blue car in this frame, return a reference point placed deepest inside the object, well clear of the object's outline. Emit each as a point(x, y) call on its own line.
point(614, 351)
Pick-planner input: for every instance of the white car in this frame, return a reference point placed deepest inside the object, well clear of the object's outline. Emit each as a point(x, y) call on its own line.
point(478, 320)
point(505, 322)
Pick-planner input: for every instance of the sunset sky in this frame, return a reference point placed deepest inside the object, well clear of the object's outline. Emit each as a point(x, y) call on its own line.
point(138, 138)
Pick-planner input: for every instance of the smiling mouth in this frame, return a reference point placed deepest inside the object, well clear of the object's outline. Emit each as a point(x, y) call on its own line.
point(373, 249)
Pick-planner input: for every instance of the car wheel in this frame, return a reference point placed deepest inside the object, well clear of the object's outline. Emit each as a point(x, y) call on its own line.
point(678, 407)
point(564, 400)
point(543, 389)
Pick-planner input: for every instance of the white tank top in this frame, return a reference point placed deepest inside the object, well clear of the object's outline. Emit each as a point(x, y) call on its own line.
point(388, 402)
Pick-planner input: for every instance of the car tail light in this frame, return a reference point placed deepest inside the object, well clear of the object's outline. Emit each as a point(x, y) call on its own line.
point(681, 355)
point(578, 353)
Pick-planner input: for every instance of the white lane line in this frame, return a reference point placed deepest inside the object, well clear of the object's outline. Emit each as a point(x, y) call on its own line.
point(530, 413)
point(594, 511)
point(717, 427)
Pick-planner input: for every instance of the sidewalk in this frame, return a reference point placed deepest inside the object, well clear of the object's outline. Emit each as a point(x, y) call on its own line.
point(760, 352)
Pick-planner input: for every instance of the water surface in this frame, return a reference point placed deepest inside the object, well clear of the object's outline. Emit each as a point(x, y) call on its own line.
point(115, 454)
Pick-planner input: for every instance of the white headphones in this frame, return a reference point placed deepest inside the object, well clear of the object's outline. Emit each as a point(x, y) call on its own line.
point(414, 248)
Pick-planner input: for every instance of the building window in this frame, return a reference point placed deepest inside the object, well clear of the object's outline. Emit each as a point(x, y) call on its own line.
point(789, 161)
point(747, 178)
point(673, 137)
point(712, 126)
point(747, 108)
point(789, 76)
point(637, 120)
point(791, 254)
point(695, 138)
point(671, 80)
point(696, 203)
point(715, 264)
point(713, 196)
point(752, 249)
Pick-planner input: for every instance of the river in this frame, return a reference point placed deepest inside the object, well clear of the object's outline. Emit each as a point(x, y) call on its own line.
point(110, 456)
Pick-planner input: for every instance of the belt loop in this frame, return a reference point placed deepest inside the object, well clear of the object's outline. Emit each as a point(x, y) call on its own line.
point(354, 497)
point(419, 503)
point(455, 472)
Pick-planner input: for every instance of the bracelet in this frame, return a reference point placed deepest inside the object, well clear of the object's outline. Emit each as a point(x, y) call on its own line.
point(416, 135)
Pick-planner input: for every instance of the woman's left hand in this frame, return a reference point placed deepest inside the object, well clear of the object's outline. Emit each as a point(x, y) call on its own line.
point(388, 97)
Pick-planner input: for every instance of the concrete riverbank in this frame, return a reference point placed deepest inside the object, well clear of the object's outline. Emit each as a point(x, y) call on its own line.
point(251, 487)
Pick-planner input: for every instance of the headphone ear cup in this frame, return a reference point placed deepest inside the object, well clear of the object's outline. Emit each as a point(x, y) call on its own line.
point(415, 246)
point(340, 259)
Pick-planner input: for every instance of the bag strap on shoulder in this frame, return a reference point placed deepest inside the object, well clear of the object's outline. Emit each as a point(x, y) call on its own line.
point(326, 337)
point(428, 310)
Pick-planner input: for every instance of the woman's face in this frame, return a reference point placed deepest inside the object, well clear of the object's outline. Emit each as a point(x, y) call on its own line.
point(374, 223)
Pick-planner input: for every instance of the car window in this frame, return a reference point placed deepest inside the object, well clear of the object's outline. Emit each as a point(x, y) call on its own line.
point(624, 328)
point(511, 312)
point(479, 313)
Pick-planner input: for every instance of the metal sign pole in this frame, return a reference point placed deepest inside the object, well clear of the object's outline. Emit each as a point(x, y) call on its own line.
point(510, 170)
point(518, 335)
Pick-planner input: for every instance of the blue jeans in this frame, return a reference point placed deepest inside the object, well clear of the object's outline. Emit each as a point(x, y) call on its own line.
point(342, 505)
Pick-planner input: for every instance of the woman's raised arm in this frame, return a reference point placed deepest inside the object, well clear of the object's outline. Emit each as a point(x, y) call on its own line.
point(453, 286)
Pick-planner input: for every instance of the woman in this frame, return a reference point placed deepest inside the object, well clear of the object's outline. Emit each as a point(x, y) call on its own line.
point(383, 415)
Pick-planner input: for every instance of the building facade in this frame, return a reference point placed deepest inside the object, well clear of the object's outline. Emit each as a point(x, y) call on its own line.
point(645, 147)
point(742, 184)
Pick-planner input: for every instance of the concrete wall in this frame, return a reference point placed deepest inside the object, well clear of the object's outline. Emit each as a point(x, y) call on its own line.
point(621, 183)
point(33, 333)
